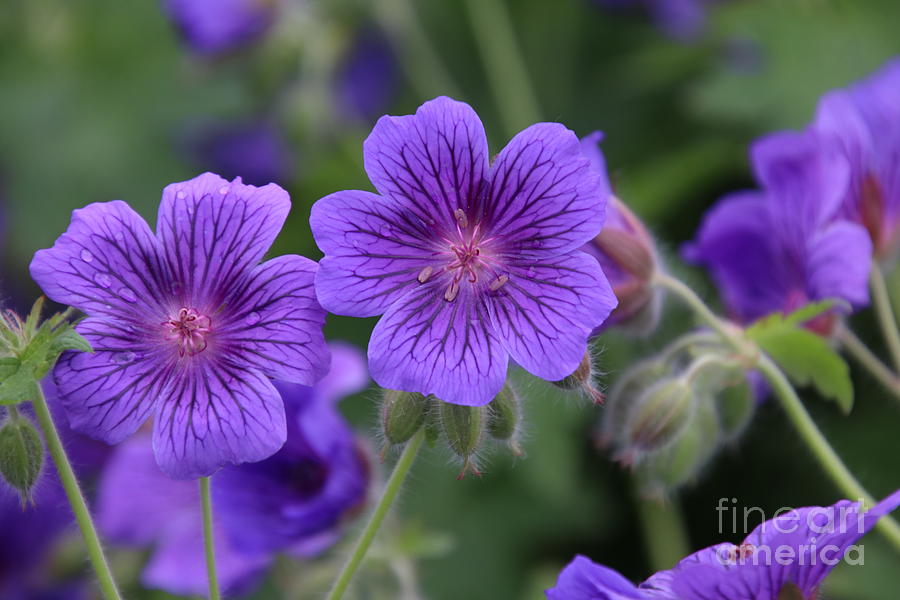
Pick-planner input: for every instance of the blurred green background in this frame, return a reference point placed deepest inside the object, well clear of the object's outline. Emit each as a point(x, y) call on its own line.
point(96, 96)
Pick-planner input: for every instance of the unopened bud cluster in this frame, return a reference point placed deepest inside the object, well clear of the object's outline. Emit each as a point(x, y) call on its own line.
point(465, 430)
point(21, 454)
point(669, 415)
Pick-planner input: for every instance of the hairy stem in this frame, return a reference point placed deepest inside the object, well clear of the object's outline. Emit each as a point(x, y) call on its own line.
point(208, 541)
point(881, 302)
point(790, 402)
point(871, 363)
point(507, 73)
point(395, 482)
point(75, 496)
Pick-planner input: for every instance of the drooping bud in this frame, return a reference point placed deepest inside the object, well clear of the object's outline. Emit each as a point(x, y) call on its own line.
point(736, 404)
point(464, 427)
point(21, 455)
point(626, 391)
point(504, 416)
point(582, 378)
point(402, 415)
point(660, 415)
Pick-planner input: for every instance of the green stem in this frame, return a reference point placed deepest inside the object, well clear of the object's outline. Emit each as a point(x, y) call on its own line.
point(790, 402)
point(662, 528)
point(422, 62)
point(881, 302)
point(867, 359)
point(76, 498)
point(208, 542)
point(395, 482)
point(507, 73)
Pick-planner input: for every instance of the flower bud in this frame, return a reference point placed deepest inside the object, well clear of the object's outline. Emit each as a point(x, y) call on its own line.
point(660, 415)
point(582, 378)
point(623, 396)
point(464, 428)
point(627, 254)
point(504, 417)
point(735, 404)
point(21, 455)
point(402, 414)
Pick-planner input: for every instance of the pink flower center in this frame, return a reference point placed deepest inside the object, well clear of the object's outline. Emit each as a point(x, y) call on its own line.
point(466, 261)
point(188, 329)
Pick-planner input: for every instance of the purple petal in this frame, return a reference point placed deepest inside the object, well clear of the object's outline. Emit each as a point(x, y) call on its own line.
point(275, 322)
point(135, 500)
point(374, 250)
point(178, 565)
point(547, 309)
point(217, 26)
point(107, 263)
point(583, 579)
point(839, 263)
point(426, 344)
point(112, 392)
point(736, 243)
point(590, 147)
point(217, 414)
point(431, 163)
point(348, 374)
point(545, 198)
point(213, 232)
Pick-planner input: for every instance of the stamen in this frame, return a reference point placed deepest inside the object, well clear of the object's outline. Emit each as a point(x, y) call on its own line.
point(499, 282)
point(452, 291)
point(461, 218)
point(425, 274)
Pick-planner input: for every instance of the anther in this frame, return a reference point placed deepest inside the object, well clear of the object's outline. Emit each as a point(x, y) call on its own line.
point(499, 282)
point(425, 274)
point(461, 218)
point(452, 291)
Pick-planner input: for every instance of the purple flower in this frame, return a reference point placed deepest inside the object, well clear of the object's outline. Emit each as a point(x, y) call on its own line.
point(255, 151)
point(469, 262)
point(367, 76)
point(793, 552)
point(625, 251)
point(291, 502)
point(217, 26)
point(864, 122)
point(786, 245)
point(185, 324)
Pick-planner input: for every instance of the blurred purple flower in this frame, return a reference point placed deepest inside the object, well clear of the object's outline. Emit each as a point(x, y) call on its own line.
point(783, 246)
point(680, 19)
point(863, 120)
point(291, 502)
point(469, 262)
point(367, 77)
point(791, 553)
point(186, 324)
point(218, 26)
point(626, 253)
point(255, 151)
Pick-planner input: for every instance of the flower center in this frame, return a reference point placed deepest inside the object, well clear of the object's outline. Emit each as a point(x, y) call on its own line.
point(465, 258)
point(188, 329)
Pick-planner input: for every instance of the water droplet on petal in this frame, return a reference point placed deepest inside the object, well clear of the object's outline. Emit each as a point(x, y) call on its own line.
point(86, 255)
point(124, 358)
point(180, 195)
point(176, 287)
point(103, 280)
point(386, 231)
point(127, 294)
point(120, 237)
point(253, 318)
point(531, 272)
point(224, 189)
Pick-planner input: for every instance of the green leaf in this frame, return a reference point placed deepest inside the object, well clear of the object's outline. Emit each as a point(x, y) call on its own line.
point(18, 382)
point(805, 357)
point(70, 339)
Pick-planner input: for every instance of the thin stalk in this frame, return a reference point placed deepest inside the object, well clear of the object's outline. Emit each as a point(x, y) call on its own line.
point(881, 302)
point(507, 73)
point(871, 363)
point(663, 531)
point(832, 464)
point(395, 482)
point(75, 496)
point(208, 541)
